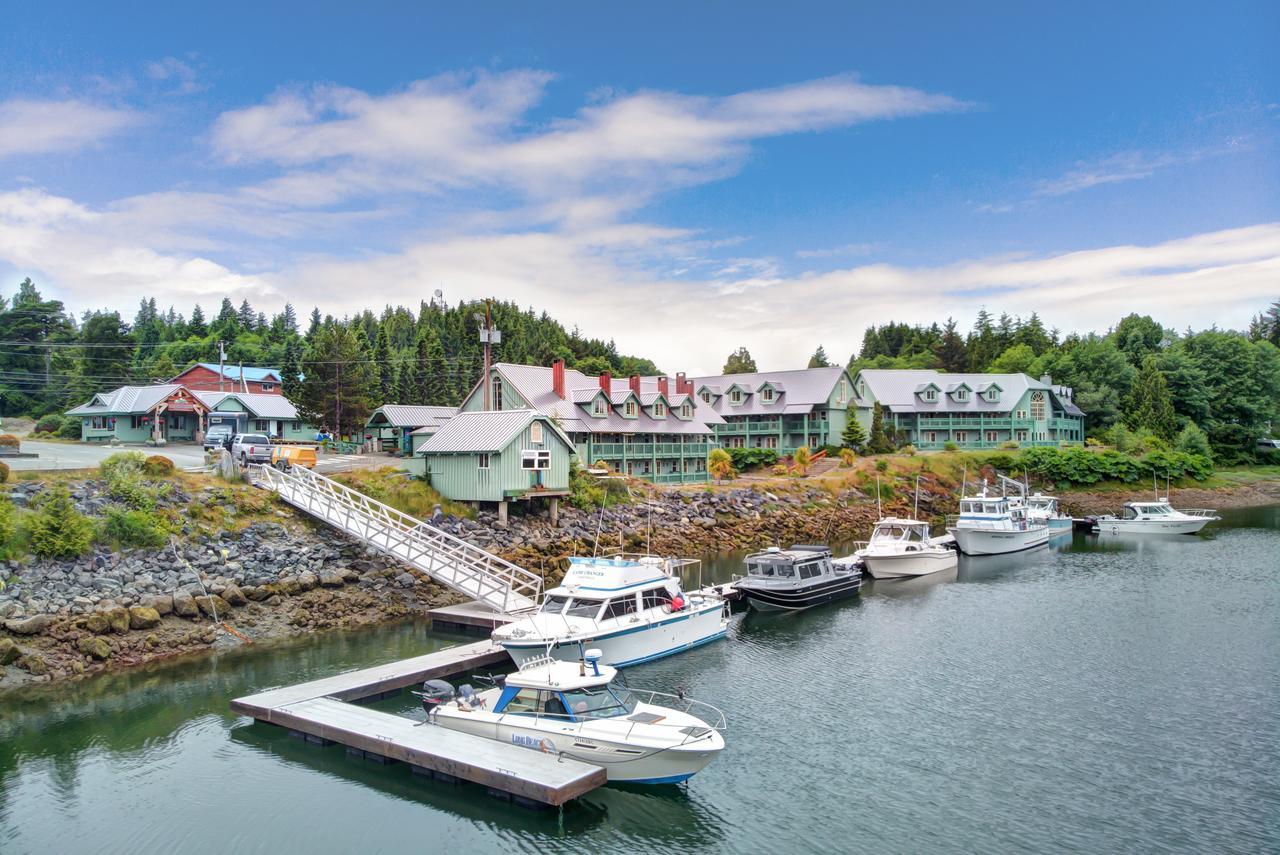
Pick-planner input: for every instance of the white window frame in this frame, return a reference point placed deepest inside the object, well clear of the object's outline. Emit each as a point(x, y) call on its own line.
point(535, 432)
point(735, 397)
point(540, 458)
point(767, 394)
point(600, 407)
point(1039, 401)
point(262, 426)
point(482, 460)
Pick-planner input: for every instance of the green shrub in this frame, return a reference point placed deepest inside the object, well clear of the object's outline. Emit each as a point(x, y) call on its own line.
point(950, 446)
point(57, 529)
point(882, 465)
point(157, 466)
point(748, 458)
point(49, 424)
point(1192, 440)
point(1082, 466)
point(136, 528)
point(8, 524)
point(4, 472)
point(121, 464)
point(70, 428)
point(909, 450)
point(8, 440)
point(1011, 444)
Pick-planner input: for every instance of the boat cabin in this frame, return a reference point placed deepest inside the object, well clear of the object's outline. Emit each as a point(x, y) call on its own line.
point(1039, 502)
point(1147, 510)
point(573, 691)
point(900, 531)
point(614, 587)
point(798, 562)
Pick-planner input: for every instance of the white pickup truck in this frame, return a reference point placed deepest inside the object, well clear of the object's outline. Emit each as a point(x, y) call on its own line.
point(249, 448)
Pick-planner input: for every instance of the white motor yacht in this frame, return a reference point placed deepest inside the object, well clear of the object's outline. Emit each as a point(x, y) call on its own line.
point(902, 547)
point(1156, 517)
point(577, 710)
point(994, 525)
point(632, 608)
point(1047, 508)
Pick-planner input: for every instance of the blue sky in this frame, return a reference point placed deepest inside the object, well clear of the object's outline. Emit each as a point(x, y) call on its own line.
point(684, 178)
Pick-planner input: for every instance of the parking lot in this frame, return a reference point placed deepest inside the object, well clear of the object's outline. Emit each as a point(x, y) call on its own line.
point(83, 455)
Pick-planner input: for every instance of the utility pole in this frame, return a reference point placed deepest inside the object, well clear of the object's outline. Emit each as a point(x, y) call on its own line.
point(222, 359)
point(488, 337)
point(337, 405)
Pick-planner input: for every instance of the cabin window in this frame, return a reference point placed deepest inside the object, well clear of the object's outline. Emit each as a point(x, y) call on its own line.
point(482, 461)
point(553, 605)
point(961, 395)
point(629, 409)
point(735, 397)
point(992, 436)
point(620, 607)
point(654, 598)
point(139, 422)
point(931, 436)
point(261, 425)
point(267, 387)
point(1037, 406)
point(600, 702)
point(583, 608)
point(98, 423)
point(523, 701)
point(535, 432)
point(767, 394)
point(810, 570)
point(992, 395)
point(533, 458)
point(497, 393)
point(784, 571)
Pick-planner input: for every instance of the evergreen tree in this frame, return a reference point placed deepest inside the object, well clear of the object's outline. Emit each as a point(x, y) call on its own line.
point(740, 362)
point(292, 367)
point(1138, 336)
point(338, 388)
point(879, 441)
point(290, 319)
point(246, 317)
point(853, 436)
point(982, 345)
point(1150, 405)
point(314, 326)
point(819, 359)
point(434, 372)
point(385, 368)
point(196, 327)
point(950, 349)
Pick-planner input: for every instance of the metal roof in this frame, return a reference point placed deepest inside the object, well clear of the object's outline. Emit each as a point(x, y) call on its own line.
point(257, 404)
point(408, 415)
point(232, 372)
point(897, 390)
point(484, 431)
point(812, 386)
point(126, 400)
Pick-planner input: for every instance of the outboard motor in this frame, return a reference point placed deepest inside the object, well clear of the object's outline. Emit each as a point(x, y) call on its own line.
point(435, 693)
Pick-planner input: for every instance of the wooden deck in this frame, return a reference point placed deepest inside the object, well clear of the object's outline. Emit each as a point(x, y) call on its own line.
point(323, 711)
point(469, 617)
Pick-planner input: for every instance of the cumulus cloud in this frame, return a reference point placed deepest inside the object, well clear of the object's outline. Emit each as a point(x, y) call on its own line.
point(45, 127)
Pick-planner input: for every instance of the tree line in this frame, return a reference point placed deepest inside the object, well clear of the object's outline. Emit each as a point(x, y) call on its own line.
point(337, 370)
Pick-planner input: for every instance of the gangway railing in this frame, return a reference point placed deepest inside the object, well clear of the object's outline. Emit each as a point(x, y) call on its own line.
point(448, 560)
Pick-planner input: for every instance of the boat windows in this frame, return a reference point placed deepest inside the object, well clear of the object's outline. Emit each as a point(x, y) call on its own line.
point(784, 571)
point(524, 701)
point(810, 570)
point(600, 702)
point(553, 605)
point(620, 607)
point(583, 608)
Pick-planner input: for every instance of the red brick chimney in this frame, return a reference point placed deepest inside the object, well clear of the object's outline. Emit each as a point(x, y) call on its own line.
point(635, 383)
point(557, 378)
point(606, 382)
point(683, 385)
point(664, 388)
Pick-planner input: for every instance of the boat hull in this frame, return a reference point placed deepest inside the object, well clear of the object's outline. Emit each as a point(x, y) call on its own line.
point(631, 644)
point(1185, 526)
point(797, 599)
point(904, 564)
point(983, 541)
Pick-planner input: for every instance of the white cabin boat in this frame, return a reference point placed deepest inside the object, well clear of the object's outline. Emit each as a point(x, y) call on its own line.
point(631, 608)
point(995, 525)
point(1156, 517)
point(576, 710)
point(901, 547)
point(1048, 509)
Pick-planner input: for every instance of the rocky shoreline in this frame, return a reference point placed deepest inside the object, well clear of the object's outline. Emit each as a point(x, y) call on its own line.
point(1086, 502)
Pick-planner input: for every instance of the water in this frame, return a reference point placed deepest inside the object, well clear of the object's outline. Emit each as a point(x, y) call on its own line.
point(1105, 696)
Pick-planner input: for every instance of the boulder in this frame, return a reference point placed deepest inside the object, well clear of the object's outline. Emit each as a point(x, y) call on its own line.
point(118, 619)
point(9, 651)
point(331, 579)
point(308, 580)
point(234, 596)
point(34, 663)
point(257, 594)
point(96, 623)
point(143, 617)
point(405, 580)
point(184, 605)
point(163, 604)
point(33, 625)
point(92, 645)
point(213, 606)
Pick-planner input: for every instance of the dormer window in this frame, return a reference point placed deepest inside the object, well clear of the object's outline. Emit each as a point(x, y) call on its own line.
point(706, 396)
point(930, 394)
point(600, 407)
point(767, 395)
point(735, 396)
point(686, 410)
point(993, 395)
point(659, 410)
point(629, 409)
point(961, 394)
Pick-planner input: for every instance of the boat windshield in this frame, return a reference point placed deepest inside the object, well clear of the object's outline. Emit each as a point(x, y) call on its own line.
point(553, 605)
point(583, 608)
point(898, 532)
point(600, 701)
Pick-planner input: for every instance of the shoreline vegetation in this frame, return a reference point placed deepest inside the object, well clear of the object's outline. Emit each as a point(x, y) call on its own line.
point(130, 565)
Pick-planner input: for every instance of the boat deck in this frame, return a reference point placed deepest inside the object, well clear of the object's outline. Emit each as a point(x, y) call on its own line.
point(325, 711)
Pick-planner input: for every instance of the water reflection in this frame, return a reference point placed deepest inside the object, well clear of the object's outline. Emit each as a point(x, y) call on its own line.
point(909, 585)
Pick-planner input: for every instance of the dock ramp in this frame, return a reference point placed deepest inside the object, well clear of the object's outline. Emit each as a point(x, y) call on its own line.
point(448, 560)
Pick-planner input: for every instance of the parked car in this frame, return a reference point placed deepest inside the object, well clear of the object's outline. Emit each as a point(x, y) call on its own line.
point(251, 448)
point(218, 436)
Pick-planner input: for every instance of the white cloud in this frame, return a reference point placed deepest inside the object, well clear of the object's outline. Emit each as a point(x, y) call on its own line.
point(44, 127)
point(173, 70)
point(837, 251)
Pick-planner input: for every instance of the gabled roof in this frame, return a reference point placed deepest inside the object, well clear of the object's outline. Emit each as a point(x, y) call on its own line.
point(956, 387)
point(408, 415)
point(126, 400)
point(924, 387)
point(232, 372)
point(811, 386)
point(898, 390)
point(257, 404)
point(585, 396)
point(776, 386)
point(485, 431)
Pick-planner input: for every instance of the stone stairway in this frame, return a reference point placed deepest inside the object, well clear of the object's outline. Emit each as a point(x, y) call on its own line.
point(448, 560)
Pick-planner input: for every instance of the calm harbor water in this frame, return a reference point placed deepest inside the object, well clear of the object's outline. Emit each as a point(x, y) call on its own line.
point(1104, 696)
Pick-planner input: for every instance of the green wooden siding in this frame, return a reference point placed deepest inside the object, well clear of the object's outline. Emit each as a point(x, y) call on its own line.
point(460, 478)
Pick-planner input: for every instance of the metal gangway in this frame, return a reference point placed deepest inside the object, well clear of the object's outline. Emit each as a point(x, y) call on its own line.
point(449, 560)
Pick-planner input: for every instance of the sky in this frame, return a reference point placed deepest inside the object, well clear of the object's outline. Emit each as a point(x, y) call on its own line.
point(682, 178)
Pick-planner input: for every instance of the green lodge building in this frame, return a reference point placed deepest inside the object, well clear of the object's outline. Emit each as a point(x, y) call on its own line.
point(174, 413)
point(498, 456)
point(782, 410)
point(653, 428)
point(928, 409)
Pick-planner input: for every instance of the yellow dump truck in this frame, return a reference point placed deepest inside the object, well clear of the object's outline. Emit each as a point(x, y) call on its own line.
point(284, 457)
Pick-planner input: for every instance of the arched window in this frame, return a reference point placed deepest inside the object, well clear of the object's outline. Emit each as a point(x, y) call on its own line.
point(1037, 406)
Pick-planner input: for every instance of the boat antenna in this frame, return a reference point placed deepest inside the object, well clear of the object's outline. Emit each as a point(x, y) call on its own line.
point(879, 513)
point(648, 531)
point(964, 479)
point(915, 514)
point(1166, 484)
point(595, 549)
point(1154, 488)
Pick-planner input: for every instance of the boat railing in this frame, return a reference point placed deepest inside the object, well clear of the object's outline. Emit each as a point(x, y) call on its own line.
point(954, 520)
point(712, 716)
point(1207, 513)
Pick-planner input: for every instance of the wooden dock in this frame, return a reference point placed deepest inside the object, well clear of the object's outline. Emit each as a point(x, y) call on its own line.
point(470, 617)
point(325, 711)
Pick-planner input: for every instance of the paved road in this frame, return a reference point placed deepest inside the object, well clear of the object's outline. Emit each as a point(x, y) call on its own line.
point(83, 455)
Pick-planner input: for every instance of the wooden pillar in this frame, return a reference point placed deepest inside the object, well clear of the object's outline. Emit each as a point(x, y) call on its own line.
point(502, 513)
point(555, 510)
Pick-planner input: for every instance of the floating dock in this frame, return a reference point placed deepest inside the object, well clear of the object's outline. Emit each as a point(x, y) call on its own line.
point(470, 617)
point(325, 711)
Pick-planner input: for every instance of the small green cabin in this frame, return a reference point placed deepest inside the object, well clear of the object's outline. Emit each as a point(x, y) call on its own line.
point(498, 456)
